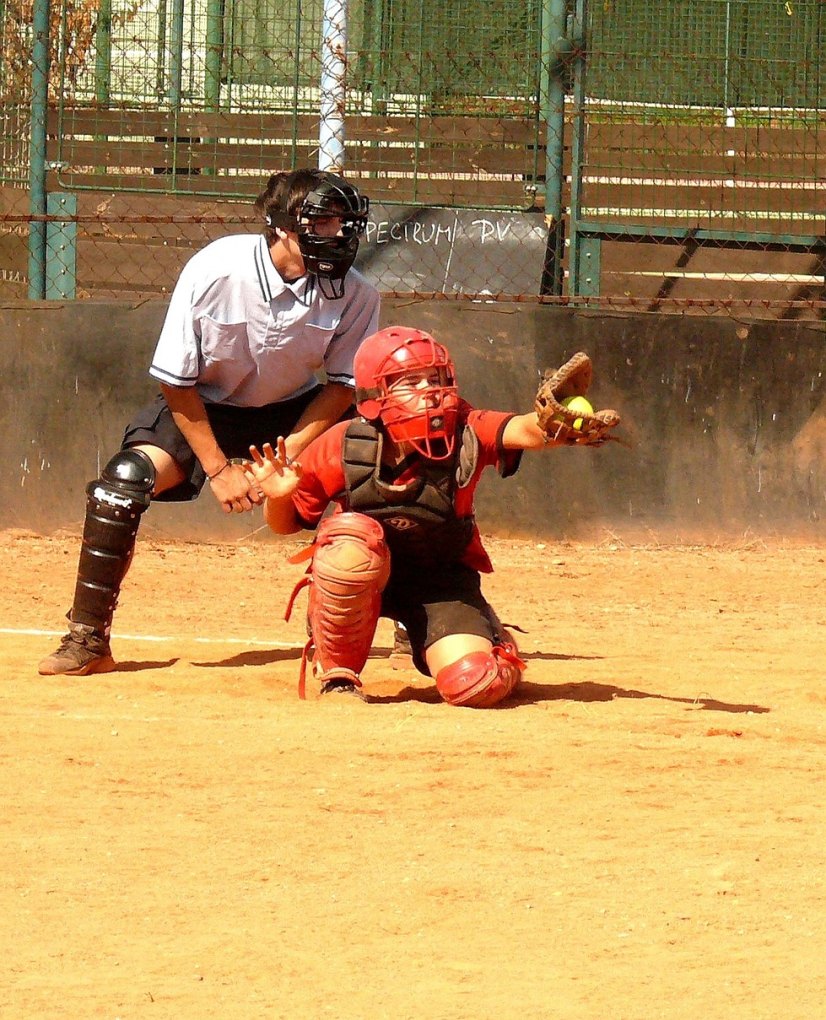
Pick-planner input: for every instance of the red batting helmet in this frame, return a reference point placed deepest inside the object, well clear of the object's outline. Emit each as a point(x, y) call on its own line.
point(425, 418)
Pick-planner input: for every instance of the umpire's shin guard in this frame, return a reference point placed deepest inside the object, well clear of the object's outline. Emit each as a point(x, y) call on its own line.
point(114, 505)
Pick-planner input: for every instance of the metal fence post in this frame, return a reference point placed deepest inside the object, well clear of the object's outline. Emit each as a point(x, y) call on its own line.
point(588, 266)
point(61, 247)
point(212, 65)
point(103, 54)
point(176, 56)
point(552, 105)
point(583, 269)
point(214, 54)
point(37, 150)
point(333, 72)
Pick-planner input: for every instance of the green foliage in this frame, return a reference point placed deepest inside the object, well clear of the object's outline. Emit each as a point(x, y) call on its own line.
point(72, 29)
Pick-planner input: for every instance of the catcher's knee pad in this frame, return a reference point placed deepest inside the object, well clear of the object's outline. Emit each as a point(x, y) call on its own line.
point(349, 571)
point(481, 679)
point(114, 505)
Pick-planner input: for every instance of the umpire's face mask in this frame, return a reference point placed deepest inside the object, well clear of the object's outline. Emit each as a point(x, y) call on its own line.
point(329, 245)
point(332, 218)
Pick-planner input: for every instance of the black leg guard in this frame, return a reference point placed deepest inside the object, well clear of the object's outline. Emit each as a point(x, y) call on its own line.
point(114, 505)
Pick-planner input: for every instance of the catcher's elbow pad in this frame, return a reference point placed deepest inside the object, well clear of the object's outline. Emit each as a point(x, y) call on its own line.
point(350, 568)
point(481, 679)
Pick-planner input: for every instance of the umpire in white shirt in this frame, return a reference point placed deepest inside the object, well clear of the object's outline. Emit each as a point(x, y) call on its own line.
point(252, 319)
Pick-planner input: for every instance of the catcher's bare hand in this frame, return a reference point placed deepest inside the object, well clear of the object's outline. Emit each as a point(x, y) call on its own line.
point(557, 422)
point(234, 490)
point(272, 471)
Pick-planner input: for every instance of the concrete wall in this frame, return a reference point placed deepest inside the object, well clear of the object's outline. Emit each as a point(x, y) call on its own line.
point(727, 420)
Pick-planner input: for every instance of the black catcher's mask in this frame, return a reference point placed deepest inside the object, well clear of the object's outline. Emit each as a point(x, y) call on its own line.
point(329, 258)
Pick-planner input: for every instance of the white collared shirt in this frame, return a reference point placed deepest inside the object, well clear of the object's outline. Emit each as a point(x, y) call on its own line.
point(240, 335)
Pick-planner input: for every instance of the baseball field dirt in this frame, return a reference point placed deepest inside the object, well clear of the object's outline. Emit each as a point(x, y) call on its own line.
point(640, 834)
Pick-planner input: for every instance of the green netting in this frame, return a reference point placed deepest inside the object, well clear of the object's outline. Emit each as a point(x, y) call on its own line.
point(268, 42)
point(461, 49)
point(722, 53)
point(397, 47)
point(756, 53)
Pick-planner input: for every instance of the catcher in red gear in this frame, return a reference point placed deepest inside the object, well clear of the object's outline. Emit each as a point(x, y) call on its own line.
point(404, 543)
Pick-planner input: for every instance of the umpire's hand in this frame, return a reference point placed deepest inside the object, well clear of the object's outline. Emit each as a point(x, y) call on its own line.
point(234, 490)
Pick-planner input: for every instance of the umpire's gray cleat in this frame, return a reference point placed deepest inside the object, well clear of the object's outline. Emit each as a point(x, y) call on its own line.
point(81, 651)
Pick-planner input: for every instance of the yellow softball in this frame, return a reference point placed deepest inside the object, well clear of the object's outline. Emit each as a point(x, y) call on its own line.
point(578, 404)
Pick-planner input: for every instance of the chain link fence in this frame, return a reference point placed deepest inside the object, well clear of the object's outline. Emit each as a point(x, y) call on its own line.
point(701, 146)
point(608, 153)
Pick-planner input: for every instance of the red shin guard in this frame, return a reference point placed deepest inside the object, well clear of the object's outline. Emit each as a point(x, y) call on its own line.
point(350, 568)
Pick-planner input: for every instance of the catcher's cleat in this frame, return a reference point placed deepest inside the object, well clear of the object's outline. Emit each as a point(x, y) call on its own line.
point(401, 657)
point(342, 685)
point(80, 652)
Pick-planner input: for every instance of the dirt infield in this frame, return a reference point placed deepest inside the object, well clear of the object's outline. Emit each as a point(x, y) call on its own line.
point(639, 835)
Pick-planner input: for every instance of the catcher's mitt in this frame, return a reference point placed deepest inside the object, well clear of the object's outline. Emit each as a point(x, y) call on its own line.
point(573, 379)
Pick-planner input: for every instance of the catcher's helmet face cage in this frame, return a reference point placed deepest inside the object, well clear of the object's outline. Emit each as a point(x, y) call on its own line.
point(407, 381)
